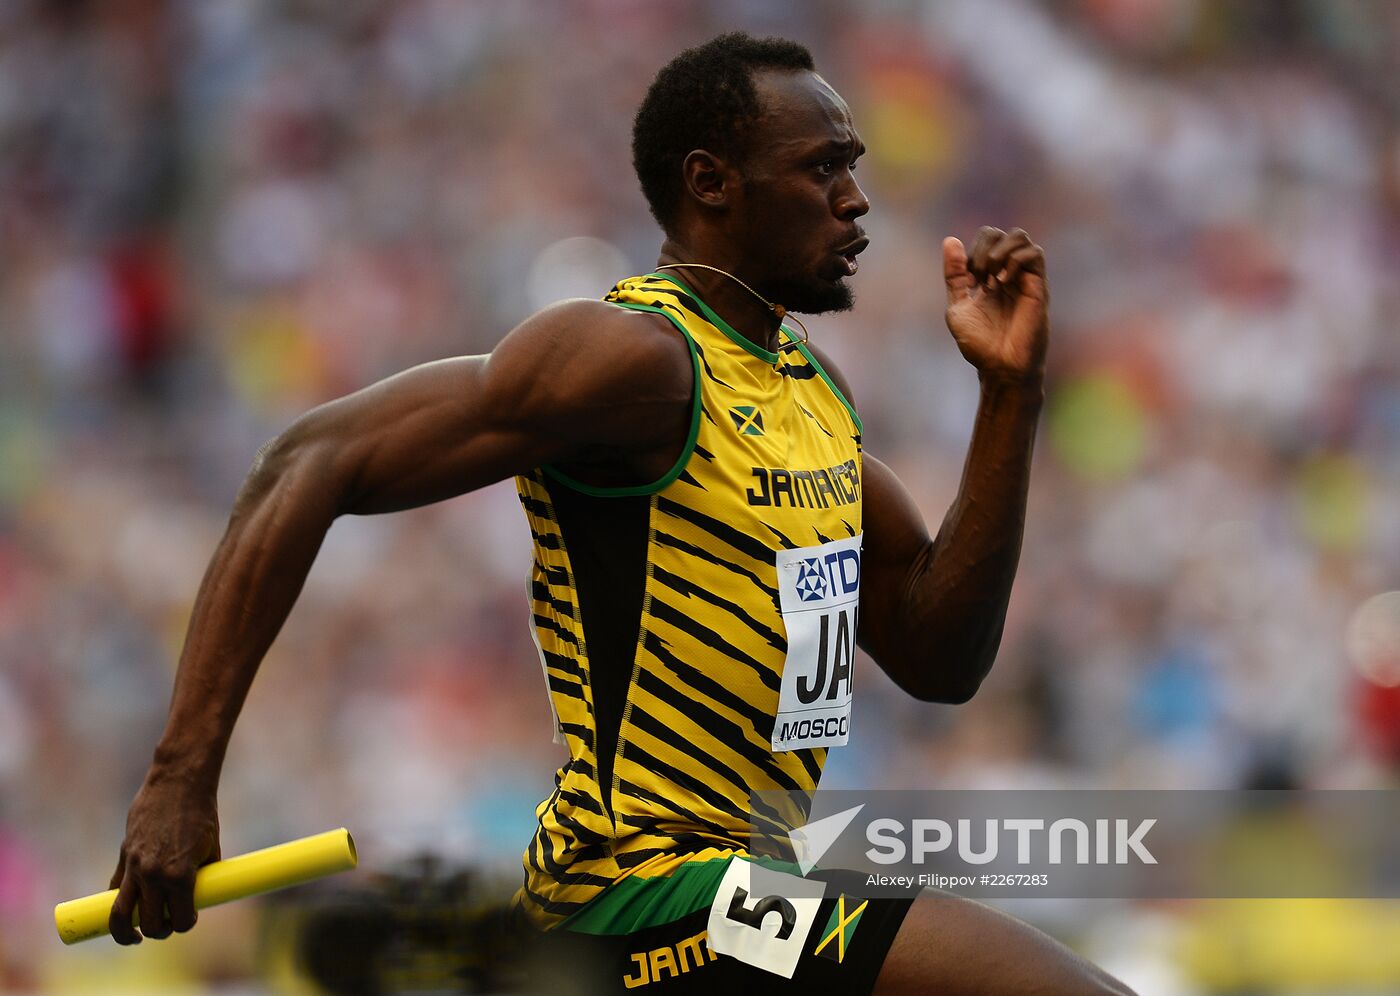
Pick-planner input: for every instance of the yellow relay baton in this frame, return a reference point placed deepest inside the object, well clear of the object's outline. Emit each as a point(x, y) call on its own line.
point(276, 867)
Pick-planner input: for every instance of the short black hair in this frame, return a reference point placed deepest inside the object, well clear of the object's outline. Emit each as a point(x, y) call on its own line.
point(704, 98)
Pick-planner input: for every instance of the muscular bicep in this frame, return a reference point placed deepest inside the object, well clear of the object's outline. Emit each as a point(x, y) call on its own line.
point(418, 437)
point(576, 379)
point(896, 551)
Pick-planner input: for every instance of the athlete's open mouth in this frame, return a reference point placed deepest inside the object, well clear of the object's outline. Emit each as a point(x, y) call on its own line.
point(850, 251)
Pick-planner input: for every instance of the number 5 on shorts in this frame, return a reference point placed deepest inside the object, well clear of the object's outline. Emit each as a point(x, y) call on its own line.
point(762, 917)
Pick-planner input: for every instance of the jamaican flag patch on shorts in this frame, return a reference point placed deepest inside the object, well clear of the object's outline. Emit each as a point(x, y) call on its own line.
point(841, 928)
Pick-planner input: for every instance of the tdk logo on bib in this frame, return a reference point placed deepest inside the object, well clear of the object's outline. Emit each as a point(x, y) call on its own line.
point(811, 584)
point(819, 593)
point(818, 576)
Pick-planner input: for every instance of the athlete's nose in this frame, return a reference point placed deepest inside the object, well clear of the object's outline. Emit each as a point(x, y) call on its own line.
point(851, 201)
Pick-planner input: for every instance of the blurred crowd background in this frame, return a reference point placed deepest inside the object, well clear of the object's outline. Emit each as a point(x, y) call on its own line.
point(216, 214)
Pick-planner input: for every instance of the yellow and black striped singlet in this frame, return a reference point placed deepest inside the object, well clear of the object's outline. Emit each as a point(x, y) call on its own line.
point(657, 614)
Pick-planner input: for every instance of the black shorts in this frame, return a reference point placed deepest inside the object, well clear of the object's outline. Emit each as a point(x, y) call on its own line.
point(656, 938)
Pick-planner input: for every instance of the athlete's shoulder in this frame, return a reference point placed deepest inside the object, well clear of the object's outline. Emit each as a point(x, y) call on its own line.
point(577, 360)
point(582, 336)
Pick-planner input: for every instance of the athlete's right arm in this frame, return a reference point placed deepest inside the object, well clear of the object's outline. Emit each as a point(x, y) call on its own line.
point(583, 383)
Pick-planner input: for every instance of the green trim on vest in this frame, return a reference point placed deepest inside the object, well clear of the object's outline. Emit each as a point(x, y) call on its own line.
point(831, 384)
point(759, 351)
point(681, 461)
point(720, 323)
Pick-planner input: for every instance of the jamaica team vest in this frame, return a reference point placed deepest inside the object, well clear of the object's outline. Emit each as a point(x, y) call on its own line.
point(698, 634)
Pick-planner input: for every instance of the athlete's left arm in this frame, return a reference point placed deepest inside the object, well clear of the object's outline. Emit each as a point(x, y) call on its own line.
point(932, 608)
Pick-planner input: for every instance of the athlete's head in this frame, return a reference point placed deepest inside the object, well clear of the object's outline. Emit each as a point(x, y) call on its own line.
point(745, 153)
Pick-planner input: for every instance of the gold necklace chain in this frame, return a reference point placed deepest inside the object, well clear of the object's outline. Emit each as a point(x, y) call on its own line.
point(777, 309)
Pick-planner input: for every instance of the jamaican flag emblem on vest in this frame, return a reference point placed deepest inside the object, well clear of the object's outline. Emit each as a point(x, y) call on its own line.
point(747, 419)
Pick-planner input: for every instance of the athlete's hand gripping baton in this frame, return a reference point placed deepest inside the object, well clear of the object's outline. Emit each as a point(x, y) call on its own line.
point(271, 868)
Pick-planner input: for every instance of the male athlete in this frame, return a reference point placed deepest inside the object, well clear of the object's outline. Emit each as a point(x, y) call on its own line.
point(708, 541)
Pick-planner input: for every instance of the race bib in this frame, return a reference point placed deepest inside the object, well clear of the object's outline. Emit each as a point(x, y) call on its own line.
point(819, 594)
point(762, 917)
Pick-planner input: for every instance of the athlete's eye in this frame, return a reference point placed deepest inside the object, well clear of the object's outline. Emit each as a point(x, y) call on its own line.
point(827, 167)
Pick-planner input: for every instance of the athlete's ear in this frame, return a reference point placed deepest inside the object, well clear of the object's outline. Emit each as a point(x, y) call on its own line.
point(708, 178)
